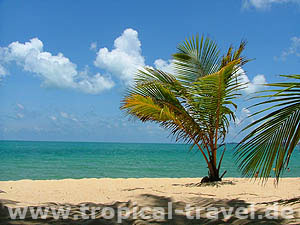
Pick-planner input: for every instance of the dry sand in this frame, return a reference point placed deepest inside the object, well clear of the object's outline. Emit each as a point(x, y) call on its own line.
point(155, 192)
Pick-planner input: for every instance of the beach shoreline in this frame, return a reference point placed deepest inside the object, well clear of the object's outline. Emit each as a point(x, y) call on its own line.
point(146, 191)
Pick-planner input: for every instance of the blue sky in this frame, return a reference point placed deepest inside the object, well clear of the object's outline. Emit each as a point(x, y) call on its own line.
point(64, 65)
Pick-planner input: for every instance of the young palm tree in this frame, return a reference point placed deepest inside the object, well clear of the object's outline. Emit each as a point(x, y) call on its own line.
point(196, 102)
point(271, 143)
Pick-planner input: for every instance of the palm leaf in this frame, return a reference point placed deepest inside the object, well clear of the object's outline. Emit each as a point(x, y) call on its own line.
point(196, 58)
point(272, 142)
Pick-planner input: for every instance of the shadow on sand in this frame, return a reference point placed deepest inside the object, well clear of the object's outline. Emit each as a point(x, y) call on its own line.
point(171, 216)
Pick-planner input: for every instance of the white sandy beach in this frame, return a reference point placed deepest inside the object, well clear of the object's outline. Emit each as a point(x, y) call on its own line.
point(147, 191)
point(107, 190)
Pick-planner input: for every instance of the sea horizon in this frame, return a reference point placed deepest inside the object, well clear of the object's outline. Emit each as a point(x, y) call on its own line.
point(118, 142)
point(52, 160)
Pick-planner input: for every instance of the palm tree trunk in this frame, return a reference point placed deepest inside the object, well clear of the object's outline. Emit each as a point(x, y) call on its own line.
point(213, 172)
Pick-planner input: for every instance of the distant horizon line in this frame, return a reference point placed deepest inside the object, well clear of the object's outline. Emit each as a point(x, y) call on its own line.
point(2, 140)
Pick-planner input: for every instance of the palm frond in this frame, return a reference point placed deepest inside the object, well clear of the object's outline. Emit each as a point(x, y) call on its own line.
point(196, 58)
point(272, 142)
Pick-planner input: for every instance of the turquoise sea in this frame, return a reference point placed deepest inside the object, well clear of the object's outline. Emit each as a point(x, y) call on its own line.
point(58, 160)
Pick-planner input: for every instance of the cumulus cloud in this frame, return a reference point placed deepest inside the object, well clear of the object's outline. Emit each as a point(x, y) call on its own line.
point(58, 71)
point(294, 49)
point(265, 4)
point(163, 65)
point(124, 59)
point(54, 70)
point(252, 86)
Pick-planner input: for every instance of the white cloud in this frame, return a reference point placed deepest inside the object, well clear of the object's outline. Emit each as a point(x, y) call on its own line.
point(93, 84)
point(252, 86)
point(58, 71)
point(93, 46)
point(54, 70)
point(265, 4)
point(3, 72)
point(20, 106)
point(294, 49)
point(124, 60)
point(163, 65)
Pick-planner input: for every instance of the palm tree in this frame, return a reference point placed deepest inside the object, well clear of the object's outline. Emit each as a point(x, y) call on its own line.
point(274, 136)
point(196, 102)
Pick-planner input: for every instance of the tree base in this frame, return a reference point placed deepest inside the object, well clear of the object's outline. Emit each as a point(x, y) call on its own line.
point(210, 179)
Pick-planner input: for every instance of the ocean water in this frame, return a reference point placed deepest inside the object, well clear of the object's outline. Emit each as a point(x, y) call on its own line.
point(59, 160)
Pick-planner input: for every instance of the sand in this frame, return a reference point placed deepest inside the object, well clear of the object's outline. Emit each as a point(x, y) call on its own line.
point(155, 192)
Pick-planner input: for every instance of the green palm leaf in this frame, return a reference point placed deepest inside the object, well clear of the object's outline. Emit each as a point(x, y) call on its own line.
point(196, 58)
point(272, 142)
